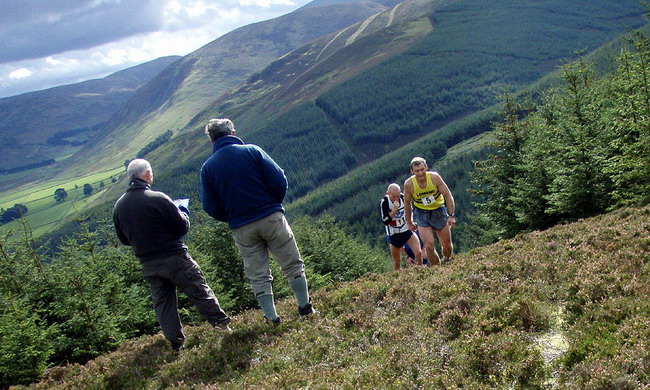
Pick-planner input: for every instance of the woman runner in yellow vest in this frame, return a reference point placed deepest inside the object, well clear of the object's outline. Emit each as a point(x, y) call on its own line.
point(430, 204)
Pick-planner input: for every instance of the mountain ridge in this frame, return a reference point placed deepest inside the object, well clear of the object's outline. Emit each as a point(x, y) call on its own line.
point(406, 99)
point(199, 84)
point(64, 108)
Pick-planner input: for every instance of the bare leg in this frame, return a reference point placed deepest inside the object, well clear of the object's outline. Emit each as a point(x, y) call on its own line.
point(409, 260)
point(427, 236)
point(444, 236)
point(397, 257)
point(434, 258)
point(414, 243)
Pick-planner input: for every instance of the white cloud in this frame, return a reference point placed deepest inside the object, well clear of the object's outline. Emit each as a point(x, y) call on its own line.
point(20, 74)
point(265, 3)
point(184, 26)
point(199, 8)
point(60, 64)
point(53, 61)
point(179, 43)
point(114, 56)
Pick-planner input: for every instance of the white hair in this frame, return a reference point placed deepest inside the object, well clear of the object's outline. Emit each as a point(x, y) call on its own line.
point(137, 168)
point(394, 187)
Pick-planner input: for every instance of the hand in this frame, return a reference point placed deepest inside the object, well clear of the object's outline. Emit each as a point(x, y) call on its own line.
point(396, 203)
point(412, 226)
point(451, 221)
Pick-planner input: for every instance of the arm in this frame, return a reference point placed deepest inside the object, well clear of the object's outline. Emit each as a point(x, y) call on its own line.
point(449, 198)
point(408, 198)
point(386, 216)
point(209, 199)
point(274, 176)
point(177, 221)
point(398, 205)
point(120, 235)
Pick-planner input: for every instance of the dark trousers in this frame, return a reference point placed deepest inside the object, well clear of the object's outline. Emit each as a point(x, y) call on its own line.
point(180, 270)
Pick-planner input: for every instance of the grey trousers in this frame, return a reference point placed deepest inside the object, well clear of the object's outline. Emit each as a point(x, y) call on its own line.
point(180, 270)
point(255, 240)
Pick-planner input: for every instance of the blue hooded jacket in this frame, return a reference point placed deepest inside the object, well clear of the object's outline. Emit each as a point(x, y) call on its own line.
point(240, 183)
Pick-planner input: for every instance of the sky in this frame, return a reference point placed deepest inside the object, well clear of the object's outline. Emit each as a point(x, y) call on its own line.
point(45, 43)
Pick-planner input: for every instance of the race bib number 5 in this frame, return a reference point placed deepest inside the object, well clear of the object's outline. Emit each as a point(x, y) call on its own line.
point(429, 200)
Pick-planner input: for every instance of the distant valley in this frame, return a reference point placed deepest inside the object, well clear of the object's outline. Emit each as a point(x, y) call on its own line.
point(54, 123)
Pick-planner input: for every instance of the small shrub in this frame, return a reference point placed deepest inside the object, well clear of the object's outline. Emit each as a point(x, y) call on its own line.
point(512, 311)
point(26, 346)
point(501, 361)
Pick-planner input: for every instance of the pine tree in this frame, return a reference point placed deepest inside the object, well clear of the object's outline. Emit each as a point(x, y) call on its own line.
point(496, 177)
point(629, 164)
point(579, 187)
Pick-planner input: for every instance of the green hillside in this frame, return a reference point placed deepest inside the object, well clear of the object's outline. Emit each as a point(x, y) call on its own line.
point(45, 213)
point(448, 72)
point(565, 308)
point(452, 71)
point(352, 198)
point(172, 99)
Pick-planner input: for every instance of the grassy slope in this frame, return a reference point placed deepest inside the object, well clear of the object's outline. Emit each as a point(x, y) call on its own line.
point(566, 307)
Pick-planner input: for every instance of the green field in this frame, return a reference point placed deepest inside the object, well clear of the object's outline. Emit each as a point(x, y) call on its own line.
point(43, 211)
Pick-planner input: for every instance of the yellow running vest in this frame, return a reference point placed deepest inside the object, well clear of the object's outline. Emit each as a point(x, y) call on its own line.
point(428, 198)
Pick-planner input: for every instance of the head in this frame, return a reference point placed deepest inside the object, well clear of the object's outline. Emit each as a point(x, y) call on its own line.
point(393, 192)
point(419, 166)
point(140, 169)
point(219, 127)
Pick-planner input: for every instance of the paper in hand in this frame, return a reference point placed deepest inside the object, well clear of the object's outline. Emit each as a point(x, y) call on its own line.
point(183, 204)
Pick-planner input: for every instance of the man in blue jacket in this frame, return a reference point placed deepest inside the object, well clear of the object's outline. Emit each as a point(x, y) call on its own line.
point(242, 185)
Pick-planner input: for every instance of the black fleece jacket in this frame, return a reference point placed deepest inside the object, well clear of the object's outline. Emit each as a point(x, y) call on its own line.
point(149, 222)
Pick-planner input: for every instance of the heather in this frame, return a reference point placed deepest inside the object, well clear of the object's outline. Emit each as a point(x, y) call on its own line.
point(566, 308)
point(89, 297)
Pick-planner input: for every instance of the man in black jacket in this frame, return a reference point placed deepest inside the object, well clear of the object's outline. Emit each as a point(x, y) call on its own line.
point(154, 227)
